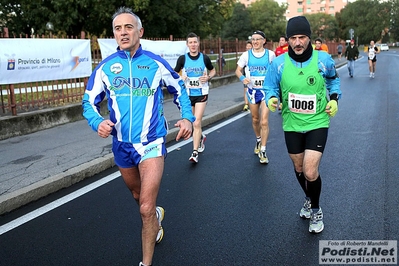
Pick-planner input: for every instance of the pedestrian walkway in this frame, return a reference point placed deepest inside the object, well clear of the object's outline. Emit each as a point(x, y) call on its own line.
point(36, 165)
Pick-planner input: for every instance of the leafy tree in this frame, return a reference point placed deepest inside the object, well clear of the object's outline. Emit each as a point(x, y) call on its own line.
point(340, 24)
point(323, 26)
point(268, 16)
point(174, 18)
point(70, 17)
point(89, 15)
point(367, 17)
point(239, 25)
point(14, 16)
point(394, 27)
point(204, 17)
point(161, 18)
point(207, 18)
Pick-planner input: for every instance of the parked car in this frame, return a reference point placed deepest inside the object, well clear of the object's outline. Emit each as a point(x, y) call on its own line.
point(383, 47)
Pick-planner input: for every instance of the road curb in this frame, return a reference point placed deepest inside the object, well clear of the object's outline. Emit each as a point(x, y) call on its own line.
point(33, 192)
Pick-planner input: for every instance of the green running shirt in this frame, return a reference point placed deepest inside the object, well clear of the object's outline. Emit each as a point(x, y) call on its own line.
point(304, 95)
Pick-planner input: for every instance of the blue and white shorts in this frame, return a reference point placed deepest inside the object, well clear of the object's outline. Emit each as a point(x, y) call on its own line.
point(127, 155)
point(255, 96)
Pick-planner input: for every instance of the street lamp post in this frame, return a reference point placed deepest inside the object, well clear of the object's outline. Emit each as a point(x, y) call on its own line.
point(50, 28)
point(351, 33)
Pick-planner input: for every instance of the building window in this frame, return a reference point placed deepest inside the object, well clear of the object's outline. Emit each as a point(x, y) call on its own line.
point(331, 8)
point(299, 10)
point(308, 2)
point(322, 9)
point(300, 3)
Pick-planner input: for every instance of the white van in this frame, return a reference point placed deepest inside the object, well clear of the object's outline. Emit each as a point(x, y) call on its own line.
point(384, 47)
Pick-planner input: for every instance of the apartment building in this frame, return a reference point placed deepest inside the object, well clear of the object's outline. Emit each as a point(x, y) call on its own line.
point(249, 2)
point(302, 7)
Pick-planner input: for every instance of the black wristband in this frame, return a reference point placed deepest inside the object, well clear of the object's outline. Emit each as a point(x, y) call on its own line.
point(334, 96)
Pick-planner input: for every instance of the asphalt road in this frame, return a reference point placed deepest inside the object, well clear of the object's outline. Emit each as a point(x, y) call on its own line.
point(229, 209)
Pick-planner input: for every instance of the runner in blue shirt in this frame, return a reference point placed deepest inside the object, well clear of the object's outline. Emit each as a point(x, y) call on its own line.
point(132, 79)
point(196, 70)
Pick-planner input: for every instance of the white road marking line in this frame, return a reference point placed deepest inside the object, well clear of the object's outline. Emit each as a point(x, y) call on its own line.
point(80, 192)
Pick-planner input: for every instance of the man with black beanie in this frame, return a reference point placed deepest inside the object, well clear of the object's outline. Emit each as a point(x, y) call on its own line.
point(301, 78)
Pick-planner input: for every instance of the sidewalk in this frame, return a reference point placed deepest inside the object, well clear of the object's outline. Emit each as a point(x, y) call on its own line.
point(35, 165)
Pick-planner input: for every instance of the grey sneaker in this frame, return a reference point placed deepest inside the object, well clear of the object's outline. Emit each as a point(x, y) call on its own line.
point(201, 147)
point(263, 157)
point(305, 211)
point(257, 147)
point(316, 224)
point(160, 215)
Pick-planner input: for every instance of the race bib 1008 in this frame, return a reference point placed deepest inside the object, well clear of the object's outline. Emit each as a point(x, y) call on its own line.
point(302, 104)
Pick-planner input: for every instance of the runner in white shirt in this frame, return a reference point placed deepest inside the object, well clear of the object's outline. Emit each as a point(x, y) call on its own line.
point(257, 60)
point(372, 58)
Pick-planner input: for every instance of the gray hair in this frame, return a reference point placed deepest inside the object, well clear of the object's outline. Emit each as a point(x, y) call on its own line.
point(127, 10)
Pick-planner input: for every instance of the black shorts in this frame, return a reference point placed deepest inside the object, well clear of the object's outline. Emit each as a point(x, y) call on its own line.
point(339, 52)
point(198, 99)
point(373, 60)
point(298, 142)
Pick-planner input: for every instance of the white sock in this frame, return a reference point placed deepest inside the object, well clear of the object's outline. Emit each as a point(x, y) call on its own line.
point(263, 148)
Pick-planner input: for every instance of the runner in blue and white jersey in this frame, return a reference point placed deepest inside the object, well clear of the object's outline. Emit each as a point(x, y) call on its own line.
point(257, 61)
point(132, 80)
point(194, 67)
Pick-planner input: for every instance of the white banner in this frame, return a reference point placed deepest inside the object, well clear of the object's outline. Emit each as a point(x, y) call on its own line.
point(168, 50)
point(30, 60)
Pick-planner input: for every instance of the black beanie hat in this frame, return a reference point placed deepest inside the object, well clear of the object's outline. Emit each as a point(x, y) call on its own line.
point(298, 25)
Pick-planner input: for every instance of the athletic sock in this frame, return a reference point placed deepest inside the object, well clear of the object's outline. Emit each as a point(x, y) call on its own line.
point(263, 148)
point(314, 190)
point(302, 181)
